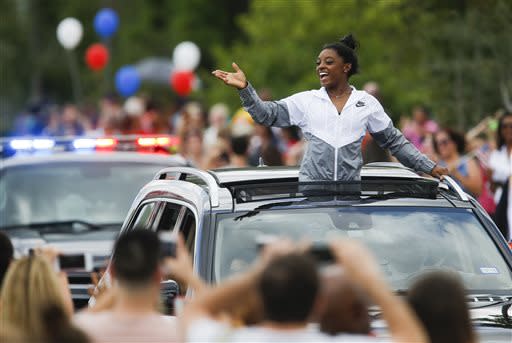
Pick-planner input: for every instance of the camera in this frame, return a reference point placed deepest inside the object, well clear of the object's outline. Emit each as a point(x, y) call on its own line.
point(321, 253)
point(74, 262)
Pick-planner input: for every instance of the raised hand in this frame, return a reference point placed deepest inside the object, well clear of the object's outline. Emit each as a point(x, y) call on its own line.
point(236, 79)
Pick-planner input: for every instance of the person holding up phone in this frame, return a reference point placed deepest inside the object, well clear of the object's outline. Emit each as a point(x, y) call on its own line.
point(134, 315)
point(334, 119)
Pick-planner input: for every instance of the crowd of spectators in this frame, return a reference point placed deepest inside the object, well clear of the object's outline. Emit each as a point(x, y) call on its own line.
point(480, 161)
point(286, 296)
point(221, 137)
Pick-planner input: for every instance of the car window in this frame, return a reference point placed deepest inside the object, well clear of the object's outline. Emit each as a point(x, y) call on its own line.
point(96, 192)
point(143, 216)
point(188, 229)
point(405, 240)
point(168, 216)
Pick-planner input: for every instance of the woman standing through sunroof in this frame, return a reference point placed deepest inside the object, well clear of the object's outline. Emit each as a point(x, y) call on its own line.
point(334, 118)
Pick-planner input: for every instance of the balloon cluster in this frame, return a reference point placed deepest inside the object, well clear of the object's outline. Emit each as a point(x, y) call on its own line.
point(186, 55)
point(70, 31)
point(105, 23)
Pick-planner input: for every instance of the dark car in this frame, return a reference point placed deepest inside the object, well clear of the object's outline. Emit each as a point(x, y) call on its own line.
point(411, 223)
point(73, 202)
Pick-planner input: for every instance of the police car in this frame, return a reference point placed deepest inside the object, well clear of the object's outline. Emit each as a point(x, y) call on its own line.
point(73, 194)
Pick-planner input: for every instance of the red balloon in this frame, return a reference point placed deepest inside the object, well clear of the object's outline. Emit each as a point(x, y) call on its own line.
point(96, 56)
point(182, 82)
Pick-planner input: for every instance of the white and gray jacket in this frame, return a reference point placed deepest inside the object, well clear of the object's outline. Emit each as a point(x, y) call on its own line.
point(334, 139)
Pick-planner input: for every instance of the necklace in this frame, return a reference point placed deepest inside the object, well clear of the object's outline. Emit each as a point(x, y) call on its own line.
point(339, 96)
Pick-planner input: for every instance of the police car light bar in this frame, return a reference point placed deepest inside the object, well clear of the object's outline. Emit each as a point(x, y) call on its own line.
point(29, 144)
point(43, 144)
point(84, 143)
point(21, 144)
point(91, 143)
point(10, 146)
point(105, 142)
point(153, 141)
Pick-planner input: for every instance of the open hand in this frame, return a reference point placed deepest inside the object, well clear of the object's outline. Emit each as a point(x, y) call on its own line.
point(236, 79)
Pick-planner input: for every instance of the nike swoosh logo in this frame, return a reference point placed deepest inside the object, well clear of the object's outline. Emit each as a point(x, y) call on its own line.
point(360, 104)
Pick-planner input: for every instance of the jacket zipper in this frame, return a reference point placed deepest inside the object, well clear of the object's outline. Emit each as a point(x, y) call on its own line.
point(335, 149)
point(335, 164)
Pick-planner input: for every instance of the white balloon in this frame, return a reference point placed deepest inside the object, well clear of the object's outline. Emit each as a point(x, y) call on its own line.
point(186, 56)
point(69, 33)
point(134, 106)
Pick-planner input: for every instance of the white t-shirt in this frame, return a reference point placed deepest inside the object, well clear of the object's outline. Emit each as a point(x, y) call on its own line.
point(115, 327)
point(500, 164)
point(207, 330)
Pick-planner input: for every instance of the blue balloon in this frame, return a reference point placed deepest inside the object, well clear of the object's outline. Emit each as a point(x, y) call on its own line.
point(127, 81)
point(106, 22)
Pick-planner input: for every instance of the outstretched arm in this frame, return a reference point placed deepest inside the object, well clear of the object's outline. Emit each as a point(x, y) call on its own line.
point(267, 113)
point(388, 137)
point(391, 138)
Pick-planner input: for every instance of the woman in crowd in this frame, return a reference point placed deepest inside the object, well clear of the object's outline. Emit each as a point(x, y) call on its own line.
point(334, 119)
point(439, 300)
point(500, 164)
point(30, 287)
point(192, 146)
point(450, 146)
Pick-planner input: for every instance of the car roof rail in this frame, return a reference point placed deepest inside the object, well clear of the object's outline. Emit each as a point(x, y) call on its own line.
point(455, 186)
point(197, 176)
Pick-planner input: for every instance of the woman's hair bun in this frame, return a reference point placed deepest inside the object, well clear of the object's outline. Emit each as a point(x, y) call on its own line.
point(350, 41)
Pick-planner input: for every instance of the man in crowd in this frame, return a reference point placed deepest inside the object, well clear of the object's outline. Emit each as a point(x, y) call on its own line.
point(134, 316)
point(346, 308)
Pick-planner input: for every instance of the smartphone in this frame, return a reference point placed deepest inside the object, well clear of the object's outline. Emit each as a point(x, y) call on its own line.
point(167, 244)
point(321, 252)
point(75, 262)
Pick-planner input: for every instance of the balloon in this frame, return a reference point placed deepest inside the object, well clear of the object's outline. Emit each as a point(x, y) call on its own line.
point(186, 56)
point(182, 82)
point(69, 33)
point(127, 80)
point(134, 106)
point(106, 22)
point(96, 56)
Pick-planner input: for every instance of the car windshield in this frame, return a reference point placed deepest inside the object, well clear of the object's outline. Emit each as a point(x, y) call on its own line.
point(405, 240)
point(93, 192)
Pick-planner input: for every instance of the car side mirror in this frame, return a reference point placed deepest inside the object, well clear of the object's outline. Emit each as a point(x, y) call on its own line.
point(169, 291)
